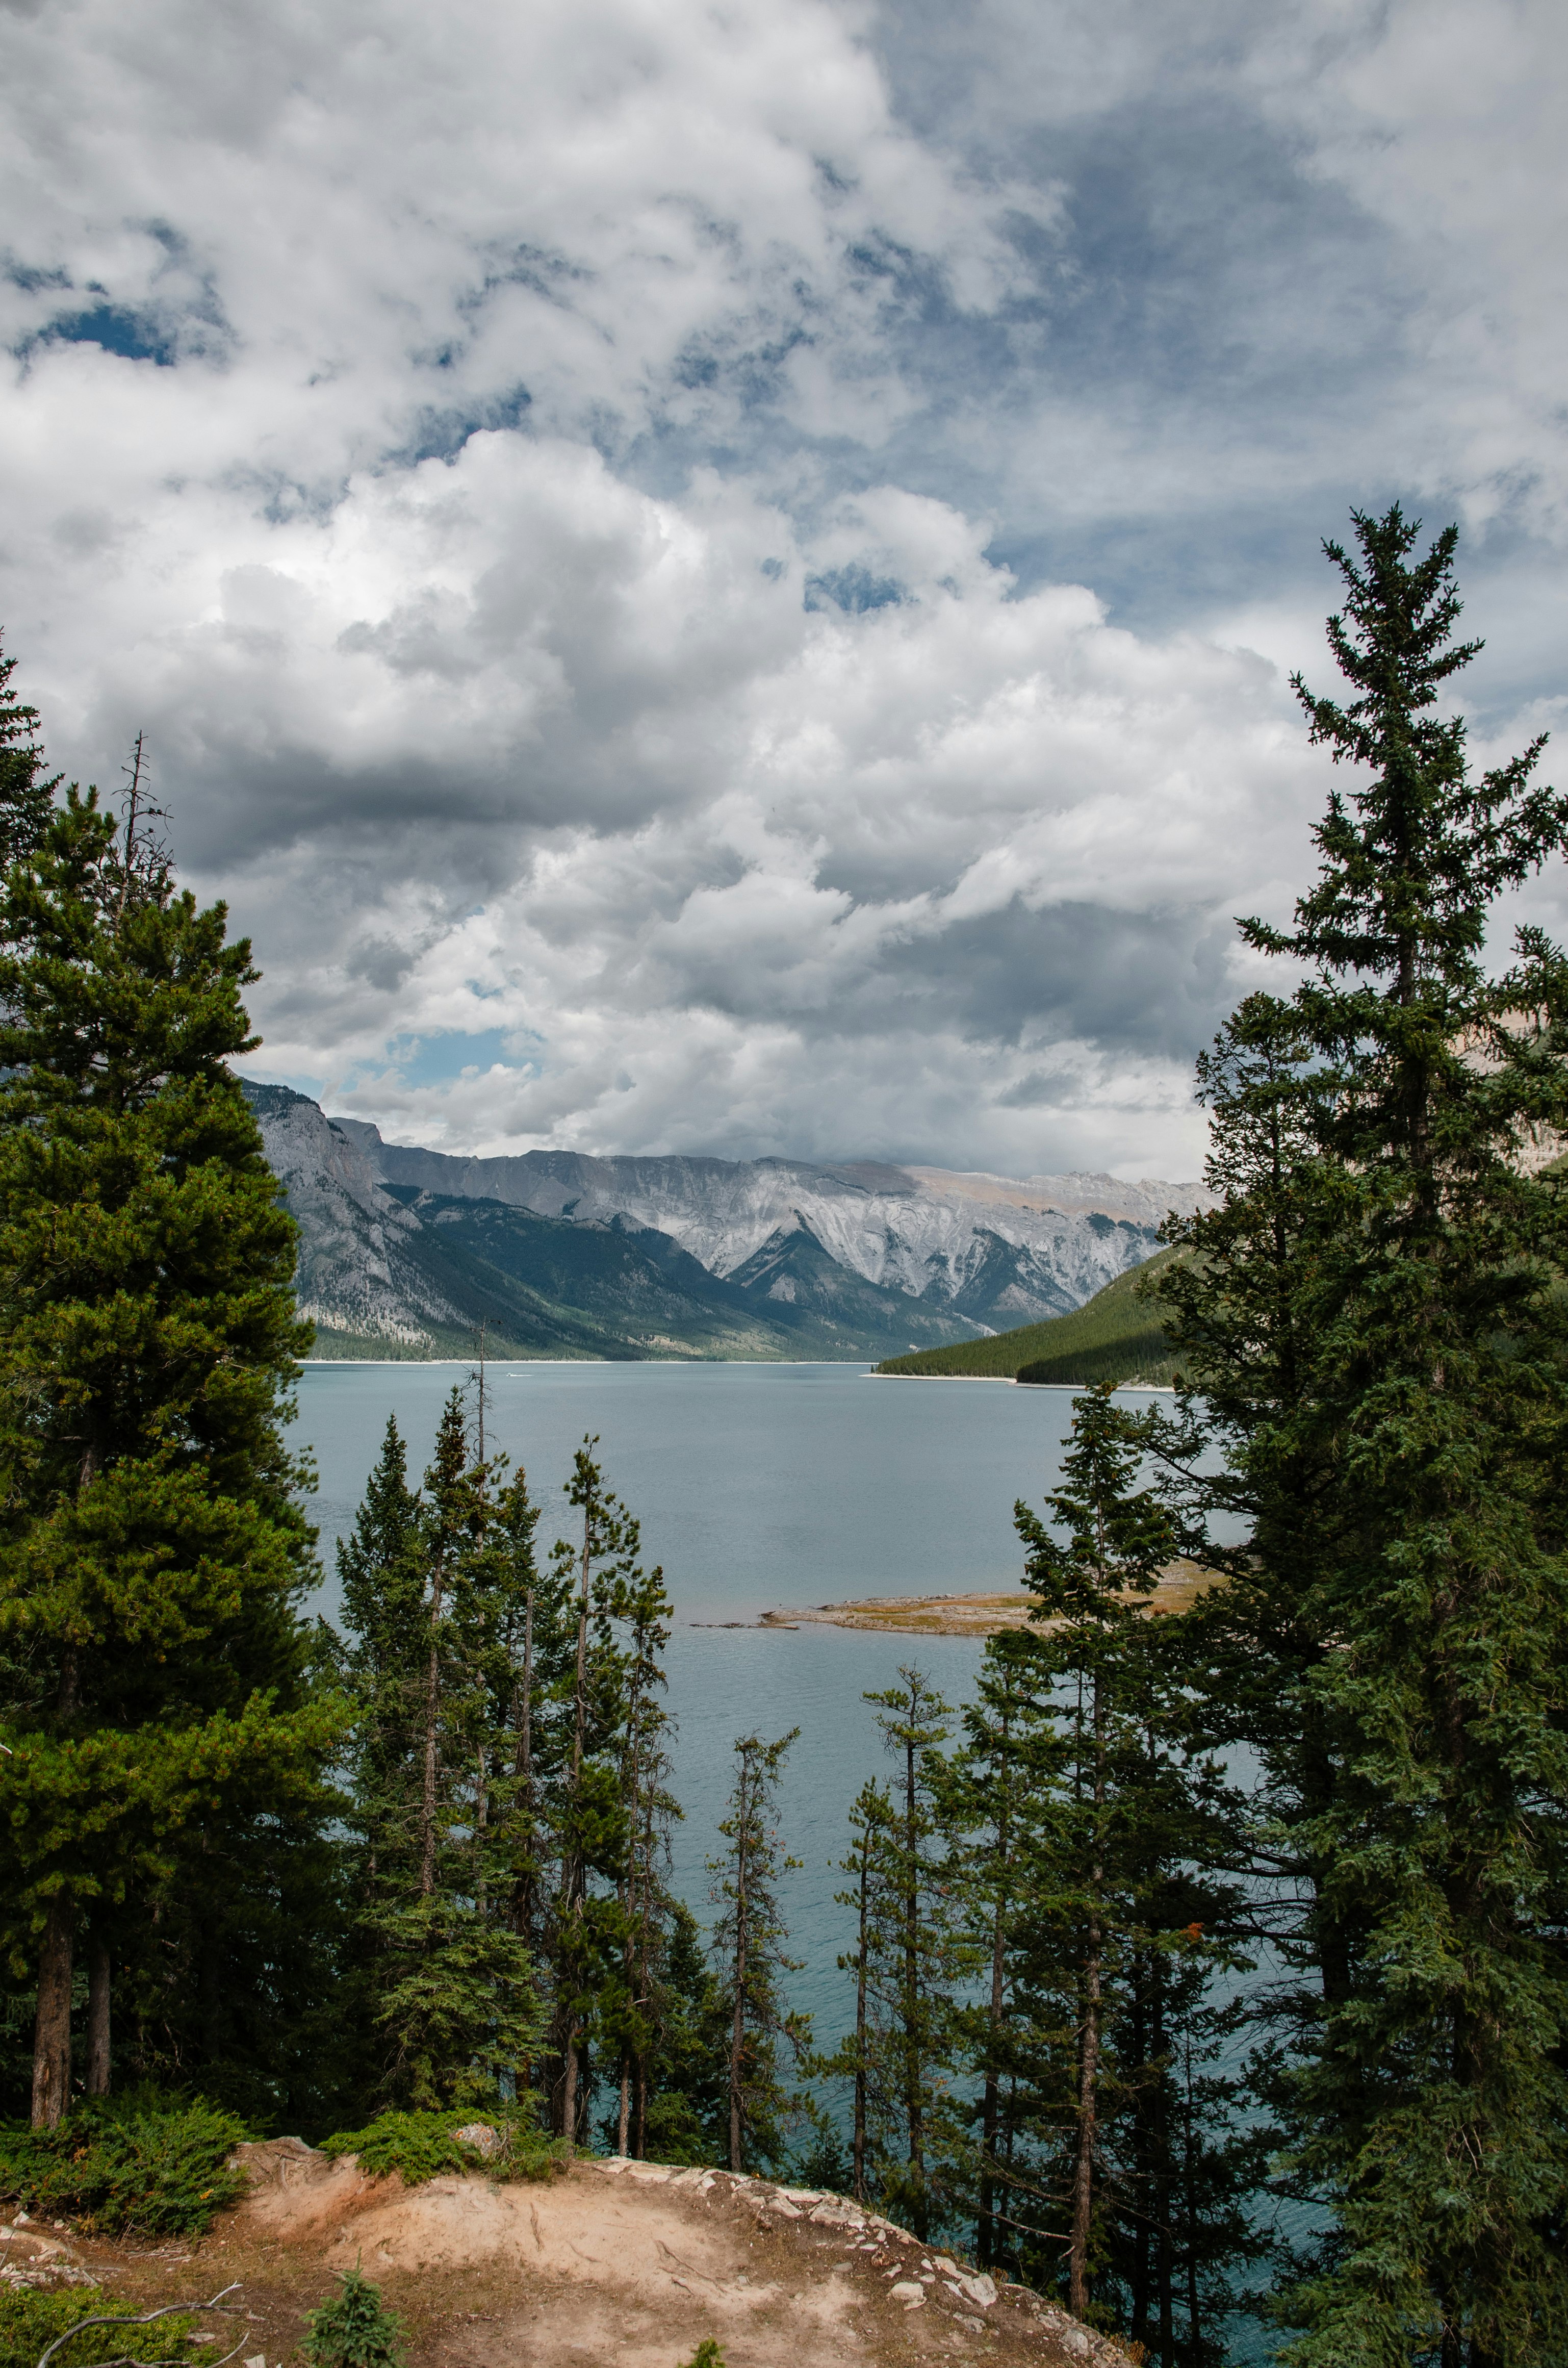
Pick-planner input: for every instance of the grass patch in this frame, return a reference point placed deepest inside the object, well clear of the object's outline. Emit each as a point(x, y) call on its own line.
point(423, 2145)
point(1114, 1336)
point(29, 2322)
point(142, 2161)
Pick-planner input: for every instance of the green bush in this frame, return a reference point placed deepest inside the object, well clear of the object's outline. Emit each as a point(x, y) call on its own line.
point(356, 2329)
point(423, 2145)
point(707, 2355)
point(147, 2162)
point(29, 2321)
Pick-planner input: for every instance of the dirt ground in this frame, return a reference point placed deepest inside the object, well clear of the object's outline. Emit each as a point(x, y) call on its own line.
point(610, 2265)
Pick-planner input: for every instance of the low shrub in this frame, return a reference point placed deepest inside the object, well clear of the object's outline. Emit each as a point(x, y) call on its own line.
point(144, 2161)
point(355, 2329)
point(29, 2321)
point(423, 2145)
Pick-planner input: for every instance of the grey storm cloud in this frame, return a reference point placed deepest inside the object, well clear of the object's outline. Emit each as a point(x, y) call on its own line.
point(726, 582)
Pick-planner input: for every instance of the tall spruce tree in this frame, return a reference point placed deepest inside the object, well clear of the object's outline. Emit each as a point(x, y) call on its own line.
point(434, 1582)
point(859, 2058)
point(909, 1963)
point(1373, 1333)
point(748, 1943)
point(152, 1552)
point(1118, 1539)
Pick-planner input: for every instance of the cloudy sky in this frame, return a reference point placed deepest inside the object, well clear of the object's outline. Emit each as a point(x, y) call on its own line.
point(720, 577)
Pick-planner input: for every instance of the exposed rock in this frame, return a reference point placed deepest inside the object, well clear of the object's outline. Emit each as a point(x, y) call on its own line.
point(480, 2137)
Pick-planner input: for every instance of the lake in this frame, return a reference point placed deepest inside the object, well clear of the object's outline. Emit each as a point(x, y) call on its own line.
point(757, 1487)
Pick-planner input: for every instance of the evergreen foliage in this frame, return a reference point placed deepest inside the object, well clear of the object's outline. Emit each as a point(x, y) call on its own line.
point(355, 2329)
point(26, 798)
point(749, 1934)
point(436, 1585)
point(143, 2161)
point(1373, 1336)
point(421, 2147)
point(157, 1680)
point(31, 2320)
point(903, 1963)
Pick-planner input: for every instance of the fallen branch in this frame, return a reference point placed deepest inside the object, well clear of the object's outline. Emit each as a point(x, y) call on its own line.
point(116, 2318)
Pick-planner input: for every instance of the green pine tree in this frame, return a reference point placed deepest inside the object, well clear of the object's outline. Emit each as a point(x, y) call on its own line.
point(1118, 1540)
point(153, 1553)
point(1374, 1335)
point(26, 797)
point(748, 1939)
point(909, 1960)
point(433, 1583)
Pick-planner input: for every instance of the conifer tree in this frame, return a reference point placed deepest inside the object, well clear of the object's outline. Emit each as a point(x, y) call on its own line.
point(686, 2116)
point(152, 1552)
point(749, 1942)
point(432, 1583)
point(380, 1567)
point(994, 1793)
point(910, 1953)
point(1096, 1936)
point(588, 1931)
point(1384, 1373)
point(1117, 1540)
point(858, 2056)
point(26, 797)
point(643, 1609)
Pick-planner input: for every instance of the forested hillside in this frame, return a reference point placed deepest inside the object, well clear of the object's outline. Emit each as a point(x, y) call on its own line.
point(1117, 1336)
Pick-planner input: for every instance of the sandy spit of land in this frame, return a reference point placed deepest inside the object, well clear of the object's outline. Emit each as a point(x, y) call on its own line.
point(1178, 1587)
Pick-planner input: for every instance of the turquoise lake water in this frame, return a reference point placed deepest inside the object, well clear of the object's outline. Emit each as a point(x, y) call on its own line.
point(758, 1487)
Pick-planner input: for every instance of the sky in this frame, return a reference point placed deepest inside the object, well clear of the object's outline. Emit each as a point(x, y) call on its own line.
point(721, 578)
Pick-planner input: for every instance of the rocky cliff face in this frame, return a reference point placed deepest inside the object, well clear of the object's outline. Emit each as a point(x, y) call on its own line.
point(359, 1272)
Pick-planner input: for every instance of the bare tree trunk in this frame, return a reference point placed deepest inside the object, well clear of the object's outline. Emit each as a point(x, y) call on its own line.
point(1189, 2153)
point(737, 2025)
point(1089, 2061)
point(623, 2125)
point(523, 1893)
point(860, 2022)
point(99, 2018)
point(432, 1706)
point(569, 2082)
point(51, 2031)
point(640, 2141)
point(990, 2111)
point(574, 1902)
point(912, 2067)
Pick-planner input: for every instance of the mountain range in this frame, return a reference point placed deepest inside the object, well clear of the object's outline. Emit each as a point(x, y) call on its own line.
point(408, 1253)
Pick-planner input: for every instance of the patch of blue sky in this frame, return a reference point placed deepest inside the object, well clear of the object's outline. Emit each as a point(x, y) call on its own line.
point(123, 329)
point(440, 431)
point(854, 589)
point(440, 1057)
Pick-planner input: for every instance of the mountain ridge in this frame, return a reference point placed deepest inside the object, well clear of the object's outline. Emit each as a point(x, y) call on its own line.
point(408, 1252)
